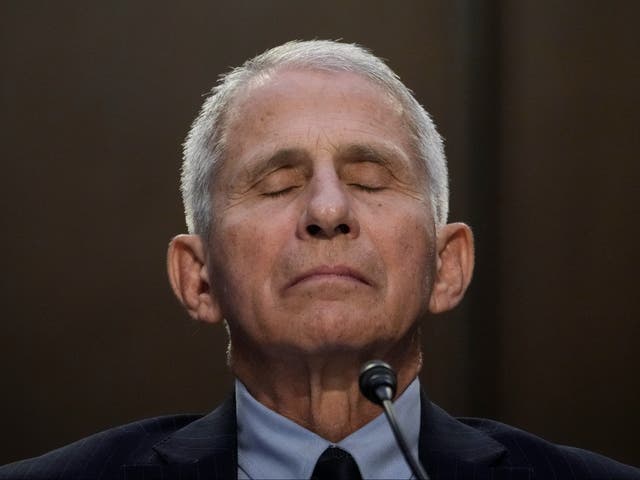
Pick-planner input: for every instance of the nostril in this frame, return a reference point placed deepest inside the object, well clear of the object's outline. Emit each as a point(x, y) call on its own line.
point(316, 230)
point(313, 230)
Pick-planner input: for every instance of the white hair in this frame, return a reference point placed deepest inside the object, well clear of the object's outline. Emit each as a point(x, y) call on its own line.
point(204, 147)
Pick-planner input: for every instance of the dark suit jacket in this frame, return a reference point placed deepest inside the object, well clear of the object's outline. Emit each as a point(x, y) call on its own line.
point(193, 447)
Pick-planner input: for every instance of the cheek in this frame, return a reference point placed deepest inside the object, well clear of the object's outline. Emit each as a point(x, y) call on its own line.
point(239, 251)
point(244, 252)
point(410, 262)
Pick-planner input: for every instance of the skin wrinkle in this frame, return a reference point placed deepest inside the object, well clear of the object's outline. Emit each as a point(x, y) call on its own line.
point(330, 150)
point(298, 345)
point(257, 168)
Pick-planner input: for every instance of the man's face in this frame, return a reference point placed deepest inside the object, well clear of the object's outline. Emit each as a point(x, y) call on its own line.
point(322, 237)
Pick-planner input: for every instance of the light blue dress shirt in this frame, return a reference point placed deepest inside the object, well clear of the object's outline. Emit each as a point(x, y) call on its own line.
point(271, 446)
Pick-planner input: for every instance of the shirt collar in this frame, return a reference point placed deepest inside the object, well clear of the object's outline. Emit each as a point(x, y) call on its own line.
point(272, 446)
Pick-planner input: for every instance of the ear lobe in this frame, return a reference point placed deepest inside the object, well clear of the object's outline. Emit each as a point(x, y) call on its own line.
point(189, 278)
point(454, 266)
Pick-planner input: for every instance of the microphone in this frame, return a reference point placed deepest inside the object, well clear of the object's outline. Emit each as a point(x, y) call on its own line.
point(378, 383)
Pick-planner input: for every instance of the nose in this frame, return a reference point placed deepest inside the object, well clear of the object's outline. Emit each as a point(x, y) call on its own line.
point(328, 211)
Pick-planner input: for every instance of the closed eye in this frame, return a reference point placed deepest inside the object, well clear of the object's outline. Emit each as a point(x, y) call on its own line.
point(280, 193)
point(366, 188)
point(281, 182)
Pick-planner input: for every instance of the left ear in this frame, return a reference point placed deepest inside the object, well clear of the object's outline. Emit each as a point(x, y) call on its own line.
point(454, 266)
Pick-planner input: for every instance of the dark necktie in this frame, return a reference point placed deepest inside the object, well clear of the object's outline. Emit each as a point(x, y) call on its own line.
point(336, 464)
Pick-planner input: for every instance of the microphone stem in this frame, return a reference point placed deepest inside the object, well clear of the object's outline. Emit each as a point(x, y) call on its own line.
point(417, 469)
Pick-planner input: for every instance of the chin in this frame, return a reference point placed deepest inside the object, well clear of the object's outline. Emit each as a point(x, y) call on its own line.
point(341, 340)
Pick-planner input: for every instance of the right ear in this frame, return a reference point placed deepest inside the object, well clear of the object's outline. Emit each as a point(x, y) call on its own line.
point(189, 278)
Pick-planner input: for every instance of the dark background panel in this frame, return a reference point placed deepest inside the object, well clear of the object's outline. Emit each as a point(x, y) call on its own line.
point(569, 258)
point(538, 103)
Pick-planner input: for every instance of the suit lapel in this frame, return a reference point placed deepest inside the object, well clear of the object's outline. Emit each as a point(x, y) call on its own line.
point(206, 448)
point(449, 449)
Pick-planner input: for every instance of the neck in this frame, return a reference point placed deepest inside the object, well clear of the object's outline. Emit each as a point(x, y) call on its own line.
point(321, 392)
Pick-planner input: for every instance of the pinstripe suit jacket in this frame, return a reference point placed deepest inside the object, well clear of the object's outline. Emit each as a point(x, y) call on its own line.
point(193, 447)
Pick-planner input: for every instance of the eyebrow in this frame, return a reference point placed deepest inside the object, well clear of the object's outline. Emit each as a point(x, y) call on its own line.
point(379, 154)
point(261, 165)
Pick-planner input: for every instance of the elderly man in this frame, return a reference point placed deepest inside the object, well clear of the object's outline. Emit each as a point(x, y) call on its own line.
point(315, 191)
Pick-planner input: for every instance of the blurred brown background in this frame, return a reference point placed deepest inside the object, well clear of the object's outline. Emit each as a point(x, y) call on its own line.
point(539, 104)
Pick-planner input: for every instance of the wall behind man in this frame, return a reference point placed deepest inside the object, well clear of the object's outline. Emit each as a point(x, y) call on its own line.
point(537, 104)
point(570, 179)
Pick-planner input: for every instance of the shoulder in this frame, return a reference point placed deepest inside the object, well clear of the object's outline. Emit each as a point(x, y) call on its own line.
point(548, 460)
point(101, 455)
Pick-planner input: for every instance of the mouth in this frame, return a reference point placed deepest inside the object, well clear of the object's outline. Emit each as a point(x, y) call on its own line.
point(323, 273)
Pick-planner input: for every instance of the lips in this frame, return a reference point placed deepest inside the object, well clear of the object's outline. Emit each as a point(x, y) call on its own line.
point(327, 272)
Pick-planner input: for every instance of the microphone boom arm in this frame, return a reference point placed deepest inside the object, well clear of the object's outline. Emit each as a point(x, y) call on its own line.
point(416, 467)
point(378, 384)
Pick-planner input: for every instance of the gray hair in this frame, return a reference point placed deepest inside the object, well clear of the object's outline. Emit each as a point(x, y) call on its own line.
point(204, 147)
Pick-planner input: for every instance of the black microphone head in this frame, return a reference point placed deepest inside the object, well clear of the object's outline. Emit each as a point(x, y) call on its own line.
point(378, 381)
